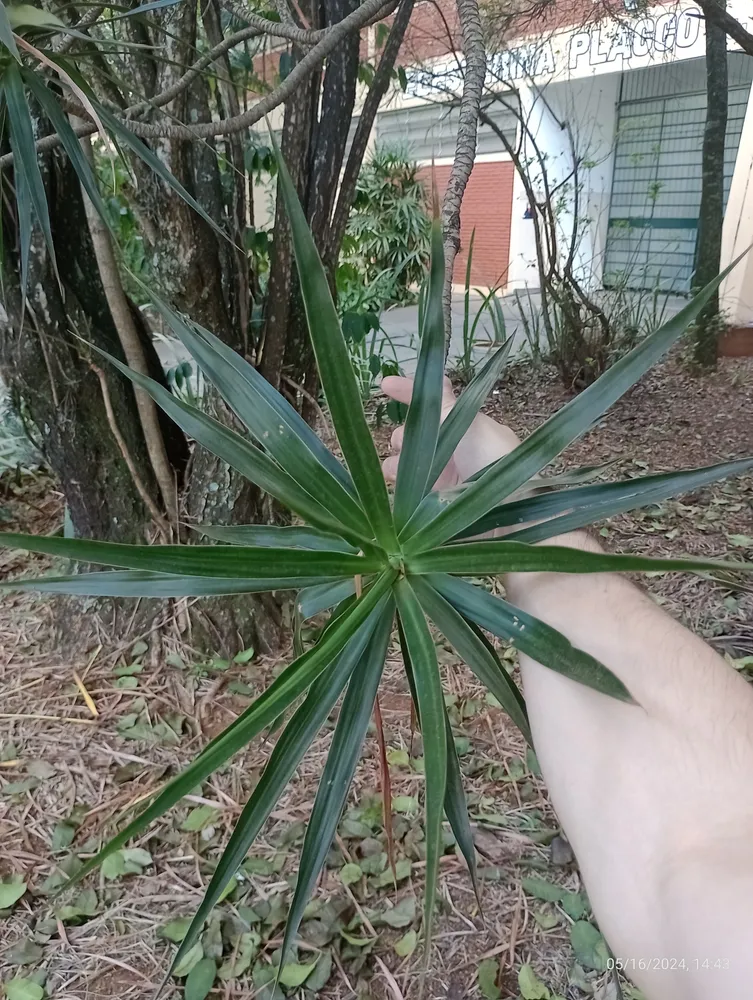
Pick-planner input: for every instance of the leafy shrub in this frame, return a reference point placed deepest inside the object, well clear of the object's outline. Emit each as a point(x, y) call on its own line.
point(372, 560)
point(387, 240)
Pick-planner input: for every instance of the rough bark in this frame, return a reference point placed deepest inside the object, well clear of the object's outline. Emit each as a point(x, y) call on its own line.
point(236, 201)
point(205, 277)
point(313, 146)
point(128, 335)
point(50, 380)
point(719, 17)
point(295, 147)
point(327, 153)
point(189, 259)
point(377, 90)
point(465, 144)
point(711, 214)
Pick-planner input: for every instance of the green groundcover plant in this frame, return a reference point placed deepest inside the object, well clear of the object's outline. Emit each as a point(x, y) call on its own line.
point(377, 563)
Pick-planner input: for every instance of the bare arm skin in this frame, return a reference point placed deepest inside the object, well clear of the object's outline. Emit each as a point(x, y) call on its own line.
point(656, 799)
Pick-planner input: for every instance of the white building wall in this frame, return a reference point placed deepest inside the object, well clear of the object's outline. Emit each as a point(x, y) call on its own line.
point(736, 297)
point(589, 107)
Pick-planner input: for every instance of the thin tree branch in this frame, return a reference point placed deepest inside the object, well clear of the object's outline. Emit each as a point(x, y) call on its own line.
point(280, 29)
point(718, 14)
point(162, 525)
point(377, 90)
point(465, 144)
point(281, 6)
point(86, 21)
point(122, 317)
point(160, 100)
point(284, 29)
point(365, 14)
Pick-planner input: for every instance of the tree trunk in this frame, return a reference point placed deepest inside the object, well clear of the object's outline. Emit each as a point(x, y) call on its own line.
point(314, 149)
point(711, 214)
point(48, 372)
point(465, 146)
point(377, 91)
point(206, 278)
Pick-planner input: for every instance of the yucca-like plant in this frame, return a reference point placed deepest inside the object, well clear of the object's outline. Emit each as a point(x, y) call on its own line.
point(376, 563)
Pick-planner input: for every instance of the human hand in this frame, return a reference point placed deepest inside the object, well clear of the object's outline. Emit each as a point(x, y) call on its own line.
point(485, 440)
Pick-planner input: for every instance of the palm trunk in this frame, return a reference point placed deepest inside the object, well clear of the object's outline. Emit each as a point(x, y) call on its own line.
point(711, 214)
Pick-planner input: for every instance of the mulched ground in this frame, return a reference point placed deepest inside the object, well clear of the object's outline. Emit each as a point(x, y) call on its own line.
point(68, 775)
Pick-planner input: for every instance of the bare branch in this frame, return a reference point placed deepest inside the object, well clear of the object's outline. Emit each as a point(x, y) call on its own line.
point(465, 143)
point(716, 13)
point(288, 29)
point(160, 100)
point(86, 21)
point(279, 29)
point(366, 14)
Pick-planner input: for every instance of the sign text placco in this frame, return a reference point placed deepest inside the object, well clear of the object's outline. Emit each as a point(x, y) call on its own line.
point(652, 37)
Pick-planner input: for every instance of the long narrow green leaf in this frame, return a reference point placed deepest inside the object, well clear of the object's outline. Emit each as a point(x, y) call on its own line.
point(338, 772)
point(279, 408)
point(533, 637)
point(25, 225)
point(430, 697)
point(276, 536)
point(617, 498)
point(456, 808)
point(322, 597)
point(271, 420)
point(134, 583)
point(425, 410)
point(335, 368)
point(463, 413)
point(293, 743)
point(547, 441)
point(199, 560)
point(467, 333)
point(572, 477)
point(588, 504)
point(281, 693)
point(476, 653)
point(71, 143)
point(250, 461)
point(492, 557)
point(437, 500)
point(127, 138)
point(6, 33)
point(26, 164)
point(145, 8)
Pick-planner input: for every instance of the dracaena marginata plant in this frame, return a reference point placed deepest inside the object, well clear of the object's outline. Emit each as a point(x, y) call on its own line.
point(377, 563)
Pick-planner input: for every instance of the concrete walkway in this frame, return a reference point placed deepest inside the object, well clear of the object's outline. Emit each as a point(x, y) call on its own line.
point(401, 326)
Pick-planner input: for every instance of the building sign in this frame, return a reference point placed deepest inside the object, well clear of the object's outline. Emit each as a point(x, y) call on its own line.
point(655, 37)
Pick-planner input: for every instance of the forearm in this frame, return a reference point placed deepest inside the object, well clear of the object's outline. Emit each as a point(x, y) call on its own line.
point(648, 793)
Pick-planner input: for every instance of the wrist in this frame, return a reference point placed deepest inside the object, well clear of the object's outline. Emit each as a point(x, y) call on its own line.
point(522, 587)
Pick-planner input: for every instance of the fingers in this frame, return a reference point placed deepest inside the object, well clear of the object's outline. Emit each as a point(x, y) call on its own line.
point(400, 388)
point(389, 468)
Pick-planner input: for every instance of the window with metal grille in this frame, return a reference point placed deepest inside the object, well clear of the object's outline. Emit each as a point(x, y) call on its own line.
point(428, 131)
point(656, 184)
